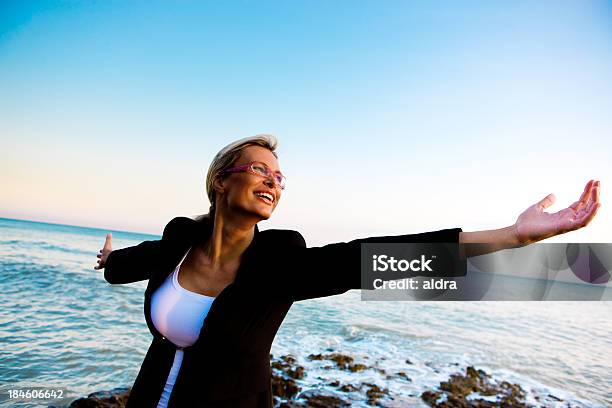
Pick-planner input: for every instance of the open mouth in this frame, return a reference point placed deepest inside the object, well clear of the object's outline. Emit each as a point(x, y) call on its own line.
point(265, 197)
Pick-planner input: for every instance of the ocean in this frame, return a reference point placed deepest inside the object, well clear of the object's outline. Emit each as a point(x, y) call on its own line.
point(63, 326)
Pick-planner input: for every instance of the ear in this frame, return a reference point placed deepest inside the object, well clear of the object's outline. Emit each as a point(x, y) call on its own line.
point(218, 185)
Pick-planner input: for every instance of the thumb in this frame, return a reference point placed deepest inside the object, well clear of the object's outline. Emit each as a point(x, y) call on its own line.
point(547, 201)
point(108, 244)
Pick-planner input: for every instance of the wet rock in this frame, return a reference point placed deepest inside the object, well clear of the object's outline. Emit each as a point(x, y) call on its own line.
point(287, 366)
point(374, 393)
point(431, 397)
point(342, 361)
point(348, 388)
point(399, 374)
point(289, 359)
point(285, 372)
point(289, 395)
point(115, 398)
point(283, 387)
point(357, 367)
point(475, 389)
point(322, 399)
point(472, 389)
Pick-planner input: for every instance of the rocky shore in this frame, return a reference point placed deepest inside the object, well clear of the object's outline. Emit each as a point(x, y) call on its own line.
point(470, 387)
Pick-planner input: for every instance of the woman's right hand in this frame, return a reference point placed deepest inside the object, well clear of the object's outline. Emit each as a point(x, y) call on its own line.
point(106, 249)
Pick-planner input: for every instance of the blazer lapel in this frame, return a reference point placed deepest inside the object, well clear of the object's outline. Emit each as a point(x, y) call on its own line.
point(194, 232)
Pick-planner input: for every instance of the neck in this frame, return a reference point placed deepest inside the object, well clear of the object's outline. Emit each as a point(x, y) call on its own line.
point(229, 239)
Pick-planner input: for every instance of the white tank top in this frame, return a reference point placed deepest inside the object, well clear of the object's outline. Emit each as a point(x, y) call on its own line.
point(178, 314)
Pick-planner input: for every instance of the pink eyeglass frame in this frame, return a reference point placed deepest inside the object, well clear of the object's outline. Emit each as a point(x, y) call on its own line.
point(249, 168)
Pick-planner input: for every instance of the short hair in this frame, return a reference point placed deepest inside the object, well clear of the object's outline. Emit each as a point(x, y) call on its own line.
point(228, 156)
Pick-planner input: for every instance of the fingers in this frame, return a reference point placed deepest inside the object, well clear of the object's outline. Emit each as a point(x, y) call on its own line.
point(584, 197)
point(592, 196)
point(100, 264)
point(547, 201)
point(587, 188)
point(585, 216)
point(582, 201)
point(107, 248)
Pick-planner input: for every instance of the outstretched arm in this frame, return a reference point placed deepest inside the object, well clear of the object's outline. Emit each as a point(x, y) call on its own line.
point(301, 273)
point(136, 263)
point(534, 224)
point(298, 273)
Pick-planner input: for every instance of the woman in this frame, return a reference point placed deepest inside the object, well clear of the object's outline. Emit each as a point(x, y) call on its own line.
point(219, 288)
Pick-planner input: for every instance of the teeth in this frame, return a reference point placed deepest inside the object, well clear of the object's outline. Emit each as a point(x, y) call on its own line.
point(266, 195)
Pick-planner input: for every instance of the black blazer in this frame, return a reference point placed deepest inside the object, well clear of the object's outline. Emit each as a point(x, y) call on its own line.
point(231, 357)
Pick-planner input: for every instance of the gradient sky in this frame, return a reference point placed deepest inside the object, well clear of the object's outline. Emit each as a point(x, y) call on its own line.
point(393, 117)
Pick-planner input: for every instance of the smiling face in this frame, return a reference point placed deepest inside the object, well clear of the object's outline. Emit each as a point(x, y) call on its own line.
point(246, 193)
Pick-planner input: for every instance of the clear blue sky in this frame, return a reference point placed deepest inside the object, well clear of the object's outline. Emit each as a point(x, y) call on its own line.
point(392, 117)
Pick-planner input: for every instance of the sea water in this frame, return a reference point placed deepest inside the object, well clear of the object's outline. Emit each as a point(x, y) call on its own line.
point(62, 325)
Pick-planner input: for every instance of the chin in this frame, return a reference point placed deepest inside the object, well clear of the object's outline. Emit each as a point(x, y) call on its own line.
point(262, 214)
point(265, 214)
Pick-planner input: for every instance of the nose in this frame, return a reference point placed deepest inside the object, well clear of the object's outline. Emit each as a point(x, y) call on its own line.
point(270, 182)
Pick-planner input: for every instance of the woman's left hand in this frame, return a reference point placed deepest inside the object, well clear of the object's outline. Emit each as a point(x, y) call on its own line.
point(535, 225)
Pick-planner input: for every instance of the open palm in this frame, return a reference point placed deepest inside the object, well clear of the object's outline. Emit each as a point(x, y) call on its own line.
point(535, 225)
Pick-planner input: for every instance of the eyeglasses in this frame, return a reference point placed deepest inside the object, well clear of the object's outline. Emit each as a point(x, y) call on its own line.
point(259, 169)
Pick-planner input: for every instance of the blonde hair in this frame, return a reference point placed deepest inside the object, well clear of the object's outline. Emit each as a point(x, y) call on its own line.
point(228, 156)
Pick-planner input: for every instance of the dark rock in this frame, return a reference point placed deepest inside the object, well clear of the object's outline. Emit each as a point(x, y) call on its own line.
point(400, 374)
point(289, 359)
point(431, 397)
point(357, 367)
point(286, 366)
point(453, 392)
point(374, 393)
point(283, 387)
point(287, 392)
point(342, 361)
point(115, 398)
point(348, 388)
point(321, 399)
